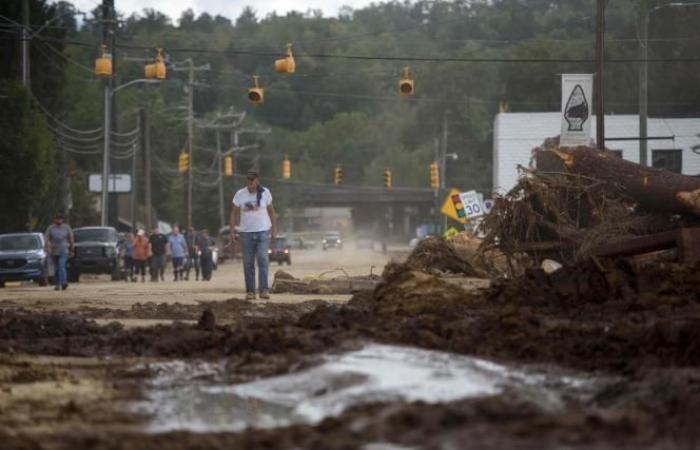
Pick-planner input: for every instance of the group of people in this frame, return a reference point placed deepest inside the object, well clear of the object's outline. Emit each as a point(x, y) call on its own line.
point(252, 215)
point(186, 251)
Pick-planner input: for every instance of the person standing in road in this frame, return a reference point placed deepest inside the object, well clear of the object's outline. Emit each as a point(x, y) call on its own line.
point(191, 237)
point(59, 244)
point(254, 217)
point(129, 257)
point(204, 245)
point(158, 243)
point(177, 248)
point(140, 254)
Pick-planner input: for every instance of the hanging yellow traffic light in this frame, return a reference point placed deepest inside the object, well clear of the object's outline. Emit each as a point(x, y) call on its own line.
point(434, 176)
point(338, 175)
point(157, 69)
point(387, 178)
point(228, 165)
point(286, 64)
point(286, 168)
point(256, 94)
point(406, 86)
point(103, 64)
point(183, 162)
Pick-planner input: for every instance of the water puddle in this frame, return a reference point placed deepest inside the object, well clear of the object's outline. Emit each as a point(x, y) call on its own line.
point(186, 395)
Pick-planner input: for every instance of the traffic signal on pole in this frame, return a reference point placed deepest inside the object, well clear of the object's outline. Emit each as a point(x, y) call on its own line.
point(103, 64)
point(157, 69)
point(406, 85)
point(434, 176)
point(387, 178)
point(338, 175)
point(286, 64)
point(183, 162)
point(459, 207)
point(286, 168)
point(256, 94)
point(228, 165)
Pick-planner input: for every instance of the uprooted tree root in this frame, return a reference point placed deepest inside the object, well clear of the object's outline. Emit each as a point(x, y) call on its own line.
point(563, 216)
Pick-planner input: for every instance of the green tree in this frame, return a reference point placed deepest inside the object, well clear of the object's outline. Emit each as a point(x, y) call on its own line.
point(26, 159)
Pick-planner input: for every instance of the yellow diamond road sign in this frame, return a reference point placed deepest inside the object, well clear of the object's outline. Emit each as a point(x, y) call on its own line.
point(448, 208)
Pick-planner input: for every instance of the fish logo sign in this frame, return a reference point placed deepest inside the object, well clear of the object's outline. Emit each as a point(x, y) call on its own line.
point(576, 112)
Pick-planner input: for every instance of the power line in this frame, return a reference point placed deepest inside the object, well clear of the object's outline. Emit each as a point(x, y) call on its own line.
point(416, 59)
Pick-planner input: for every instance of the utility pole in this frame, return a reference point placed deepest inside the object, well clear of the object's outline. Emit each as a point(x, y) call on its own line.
point(222, 218)
point(191, 69)
point(643, 79)
point(600, 57)
point(218, 127)
point(145, 131)
point(190, 138)
point(132, 206)
point(107, 35)
point(25, 43)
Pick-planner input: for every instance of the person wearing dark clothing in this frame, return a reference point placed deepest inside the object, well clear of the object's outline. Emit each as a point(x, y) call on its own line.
point(158, 243)
point(206, 261)
point(191, 238)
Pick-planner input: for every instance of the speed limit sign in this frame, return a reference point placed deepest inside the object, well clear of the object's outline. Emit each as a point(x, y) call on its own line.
point(472, 204)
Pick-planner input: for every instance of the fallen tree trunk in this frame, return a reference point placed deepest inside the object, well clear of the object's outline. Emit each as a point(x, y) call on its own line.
point(653, 189)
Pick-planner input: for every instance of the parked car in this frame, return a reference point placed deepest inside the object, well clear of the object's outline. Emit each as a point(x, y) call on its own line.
point(23, 257)
point(332, 240)
point(97, 251)
point(280, 250)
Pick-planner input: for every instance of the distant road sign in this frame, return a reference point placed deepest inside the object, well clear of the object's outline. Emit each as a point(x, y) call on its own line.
point(118, 182)
point(448, 207)
point(472, 204)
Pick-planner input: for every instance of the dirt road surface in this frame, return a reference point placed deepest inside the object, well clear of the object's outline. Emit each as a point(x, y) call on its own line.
point(227, 282)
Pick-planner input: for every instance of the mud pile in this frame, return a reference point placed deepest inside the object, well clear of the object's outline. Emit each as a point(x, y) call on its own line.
point(434, 255)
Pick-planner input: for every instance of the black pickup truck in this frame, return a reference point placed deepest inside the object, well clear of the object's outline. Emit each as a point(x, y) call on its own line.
point(96, 251)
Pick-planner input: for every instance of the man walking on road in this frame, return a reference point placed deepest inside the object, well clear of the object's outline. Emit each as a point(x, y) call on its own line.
point(253, 213)
point(178, 251)
point(158, 242)
point(59, 244)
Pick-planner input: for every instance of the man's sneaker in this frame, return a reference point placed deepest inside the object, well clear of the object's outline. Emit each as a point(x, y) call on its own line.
point(265, 294)
point(250, 296)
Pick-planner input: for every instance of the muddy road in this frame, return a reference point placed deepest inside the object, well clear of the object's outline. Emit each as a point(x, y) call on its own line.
point(598, 355)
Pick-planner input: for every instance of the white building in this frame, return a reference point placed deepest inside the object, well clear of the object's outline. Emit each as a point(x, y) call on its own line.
point(516, 134)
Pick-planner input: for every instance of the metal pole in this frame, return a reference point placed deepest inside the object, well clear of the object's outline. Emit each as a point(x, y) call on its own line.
point(25, 43)
point(105, 153)
point(146, 154)
point(222, 219)
point(600, 57)
point(643, 79)
point(190, 130)
point(133, 190)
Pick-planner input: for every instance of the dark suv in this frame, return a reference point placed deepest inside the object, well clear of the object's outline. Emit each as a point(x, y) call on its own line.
point(22, 257)
point(280, 250)
point(96, 251)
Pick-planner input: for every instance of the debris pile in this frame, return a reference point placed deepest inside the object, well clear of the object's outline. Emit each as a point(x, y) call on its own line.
point(581, 200)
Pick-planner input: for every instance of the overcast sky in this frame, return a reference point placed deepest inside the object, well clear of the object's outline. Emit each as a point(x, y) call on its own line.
point(227, 8)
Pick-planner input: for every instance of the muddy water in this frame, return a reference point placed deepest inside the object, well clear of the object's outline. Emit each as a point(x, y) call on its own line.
point(192, 396)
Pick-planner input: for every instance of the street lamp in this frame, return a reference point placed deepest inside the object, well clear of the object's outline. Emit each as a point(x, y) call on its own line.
point(109, 93)
point(644, 15)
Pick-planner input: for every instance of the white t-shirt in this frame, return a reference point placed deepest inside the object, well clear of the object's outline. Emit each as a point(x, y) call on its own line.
point(254, 218)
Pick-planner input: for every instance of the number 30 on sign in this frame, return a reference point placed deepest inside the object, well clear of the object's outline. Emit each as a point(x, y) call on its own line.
point(472, 204)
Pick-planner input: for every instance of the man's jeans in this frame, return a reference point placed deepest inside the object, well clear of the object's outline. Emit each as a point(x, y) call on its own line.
point(60, 276)
point(254, 246)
